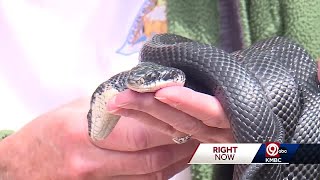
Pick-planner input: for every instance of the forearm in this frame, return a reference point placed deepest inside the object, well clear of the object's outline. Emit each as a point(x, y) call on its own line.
point(14, 158)
point(5, 163)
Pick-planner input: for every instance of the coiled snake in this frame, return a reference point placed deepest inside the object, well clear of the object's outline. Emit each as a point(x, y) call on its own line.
point(269, 91)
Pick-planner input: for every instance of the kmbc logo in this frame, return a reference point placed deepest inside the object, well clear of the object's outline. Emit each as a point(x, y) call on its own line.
point(272, 150)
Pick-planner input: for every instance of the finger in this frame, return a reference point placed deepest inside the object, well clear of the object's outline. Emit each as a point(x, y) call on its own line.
point(132, 135)
point(166, 173)
point(181, 121)
point(201, 106)
point(116, 163)
point(150, 121)
point(206, 134)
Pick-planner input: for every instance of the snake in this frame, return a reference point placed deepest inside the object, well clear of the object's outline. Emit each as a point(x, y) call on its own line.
point(269, 92)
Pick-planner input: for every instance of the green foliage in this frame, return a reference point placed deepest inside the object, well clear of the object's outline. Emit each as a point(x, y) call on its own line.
point(202, 172)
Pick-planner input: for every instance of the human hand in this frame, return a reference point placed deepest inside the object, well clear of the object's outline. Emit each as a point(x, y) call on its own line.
point(56, 146)
point(176, 111)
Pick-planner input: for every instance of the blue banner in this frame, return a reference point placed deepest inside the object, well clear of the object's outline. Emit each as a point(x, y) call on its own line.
point(275, 153)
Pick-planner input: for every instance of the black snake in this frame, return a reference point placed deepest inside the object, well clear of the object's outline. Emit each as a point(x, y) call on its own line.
point(269, 91)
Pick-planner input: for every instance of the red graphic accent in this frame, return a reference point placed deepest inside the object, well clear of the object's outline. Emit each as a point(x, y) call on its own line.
point(272, 149)
point(194, 153)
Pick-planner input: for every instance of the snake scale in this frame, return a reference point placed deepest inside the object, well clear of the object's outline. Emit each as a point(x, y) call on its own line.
point(269, 91)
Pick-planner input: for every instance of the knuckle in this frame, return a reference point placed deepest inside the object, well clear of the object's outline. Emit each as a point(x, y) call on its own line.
point(138, 140)
point(144, 102)
point(151, 162)
point(154, 162)
point(77, 168)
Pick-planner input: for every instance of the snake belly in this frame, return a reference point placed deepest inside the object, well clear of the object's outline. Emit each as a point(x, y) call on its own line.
point(269, 91)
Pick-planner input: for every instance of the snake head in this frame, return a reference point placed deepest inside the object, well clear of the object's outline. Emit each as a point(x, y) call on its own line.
point(150, 77)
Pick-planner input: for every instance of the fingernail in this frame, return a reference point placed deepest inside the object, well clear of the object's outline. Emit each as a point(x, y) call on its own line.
point(163, 99)
point(167, 101)
point(160, 98)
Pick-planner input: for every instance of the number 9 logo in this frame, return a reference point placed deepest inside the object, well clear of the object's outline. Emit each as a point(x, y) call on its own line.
point(272, 149)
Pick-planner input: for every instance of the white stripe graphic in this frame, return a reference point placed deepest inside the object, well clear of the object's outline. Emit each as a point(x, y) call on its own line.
point(225, 153)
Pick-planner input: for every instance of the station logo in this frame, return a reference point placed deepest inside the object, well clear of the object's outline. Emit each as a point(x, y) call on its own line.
point(274, 152)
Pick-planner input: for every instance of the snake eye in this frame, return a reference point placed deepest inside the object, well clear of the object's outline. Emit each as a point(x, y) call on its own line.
point(152, 75)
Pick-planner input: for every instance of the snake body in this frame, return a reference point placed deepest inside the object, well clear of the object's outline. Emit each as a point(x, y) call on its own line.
point(269, 91)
